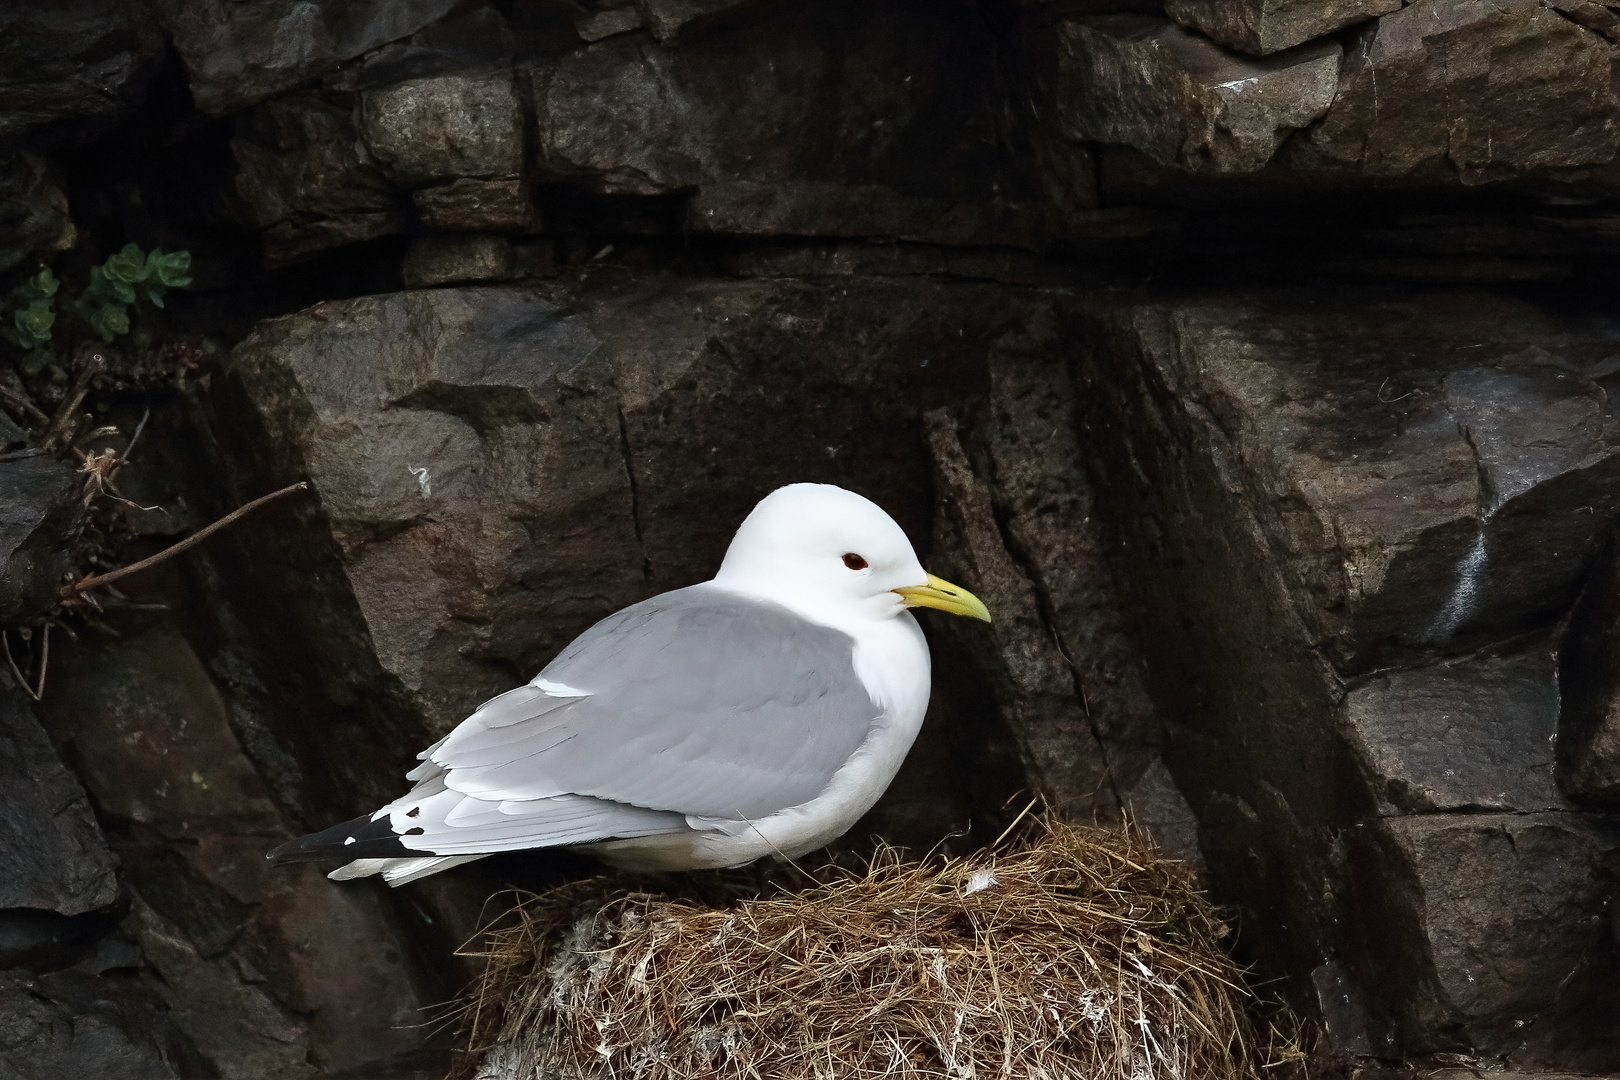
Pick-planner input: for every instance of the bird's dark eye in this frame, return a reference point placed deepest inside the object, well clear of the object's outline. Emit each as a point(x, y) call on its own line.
point(854, 561)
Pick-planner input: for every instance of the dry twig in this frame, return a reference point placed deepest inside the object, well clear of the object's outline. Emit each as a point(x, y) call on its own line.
point(74, 589)
point(44, 662)
point(24, 403)
point(60, 431)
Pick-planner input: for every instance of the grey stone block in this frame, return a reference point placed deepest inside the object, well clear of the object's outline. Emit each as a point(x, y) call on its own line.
point(467, 205)
point(1472, 734)
point(1451, 87)
point(1261, 27)
point(1182, 99)
point(444, 260)
point(441, 127)
point(307, 179)
point(242, 53)
point(40, 512)
point(52, 854)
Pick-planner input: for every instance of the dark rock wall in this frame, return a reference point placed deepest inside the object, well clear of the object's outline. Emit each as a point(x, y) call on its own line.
point(1251, 360)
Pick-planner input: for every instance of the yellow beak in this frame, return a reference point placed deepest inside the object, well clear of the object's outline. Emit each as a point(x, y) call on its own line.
point(944, 596)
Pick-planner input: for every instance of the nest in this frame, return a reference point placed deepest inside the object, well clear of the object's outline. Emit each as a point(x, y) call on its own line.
point(1075, 953)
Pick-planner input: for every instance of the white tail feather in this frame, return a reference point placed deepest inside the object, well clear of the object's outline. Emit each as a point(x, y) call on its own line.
point(399, 871)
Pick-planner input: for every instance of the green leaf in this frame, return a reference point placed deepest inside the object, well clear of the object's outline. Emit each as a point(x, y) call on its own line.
point(34, 322)
point(154, 293)
point(128, 267)
point(169, 270)
point(110, 320)
point(42, 286)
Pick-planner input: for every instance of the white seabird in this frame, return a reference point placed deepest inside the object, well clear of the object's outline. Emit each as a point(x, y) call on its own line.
point(760, 713)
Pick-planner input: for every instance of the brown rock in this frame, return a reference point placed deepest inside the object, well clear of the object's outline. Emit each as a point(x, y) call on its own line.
point(1259, 27)
point(1045, 500)
point(596, 25)
point(308, 181)
point(1483, 89)
point(468, 205)
point(441, 127)
point(33, 211)
point(1589, 670)
point(1600, 17)
point(443, 260)
point(263, 969)
point(809, 120)
point(71, 69)
point(1512, 908)
point(70, 1024)
point(238, 1027)
point(665, 17)
point(1428, 528)
point(1033, 680)
point(1304, 492)
point(40, 513)
point(1473, 734)
point(242, 53)
point(52, 855)
point(1182, 100)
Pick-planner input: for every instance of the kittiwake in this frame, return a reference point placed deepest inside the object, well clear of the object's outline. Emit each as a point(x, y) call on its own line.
point(759, 713)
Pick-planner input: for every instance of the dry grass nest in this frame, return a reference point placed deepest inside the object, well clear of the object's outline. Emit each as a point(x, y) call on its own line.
point(1072, 952)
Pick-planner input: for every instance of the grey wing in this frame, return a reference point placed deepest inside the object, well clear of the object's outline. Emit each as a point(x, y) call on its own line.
point(696, 702)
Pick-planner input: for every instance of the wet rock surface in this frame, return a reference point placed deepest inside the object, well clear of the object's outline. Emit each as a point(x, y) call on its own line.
point(39, 512)
point(1175, 96)
point(1589, 672)
point(1258, 28)
point(1483, 90)
point(72, 70)
point(239, 54)
point(1254, 361)
point(56, 859)
point(1377, 863)
point(267, 974)
point(33, 211)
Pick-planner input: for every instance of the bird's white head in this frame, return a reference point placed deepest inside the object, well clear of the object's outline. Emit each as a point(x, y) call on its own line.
point(834, 557)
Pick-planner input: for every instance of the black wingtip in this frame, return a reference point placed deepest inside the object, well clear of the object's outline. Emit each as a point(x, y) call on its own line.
point(361, 838)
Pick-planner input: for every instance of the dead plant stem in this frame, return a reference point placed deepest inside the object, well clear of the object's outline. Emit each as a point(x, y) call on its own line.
point(44, 662)
point(85, 584)
point(23, 402)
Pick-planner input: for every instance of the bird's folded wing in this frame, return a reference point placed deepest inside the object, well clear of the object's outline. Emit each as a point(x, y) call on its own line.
point(698, 702)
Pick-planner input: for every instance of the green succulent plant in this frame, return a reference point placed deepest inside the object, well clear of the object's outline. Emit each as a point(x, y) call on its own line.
point(126, 278)
point(32, 315)
point(33, 324)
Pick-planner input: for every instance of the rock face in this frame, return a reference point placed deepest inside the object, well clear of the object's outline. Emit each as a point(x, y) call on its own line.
point(1589, 671)
point(39, 511)
point(308, 181)
point(56, 859)
point(1260, 28)
point(1183, 101)
point(727, 122)
point(1479, 89)
point(65, 1024)
point(72, 70)
point(1308, 506)
point(444, 127)
point(33, 211)
point(239, 54)
point(266, 973)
